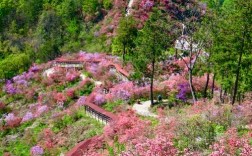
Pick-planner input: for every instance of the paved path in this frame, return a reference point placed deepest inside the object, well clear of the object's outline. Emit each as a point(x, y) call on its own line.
point(143, 109)
point(129, 7)
point(48, 72)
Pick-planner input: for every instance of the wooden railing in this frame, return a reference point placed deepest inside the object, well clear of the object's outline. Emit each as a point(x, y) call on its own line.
point(99, 113)
point(69, 63)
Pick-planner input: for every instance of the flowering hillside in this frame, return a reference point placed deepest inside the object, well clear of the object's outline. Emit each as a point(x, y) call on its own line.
point(171, 78)
point(42, 112)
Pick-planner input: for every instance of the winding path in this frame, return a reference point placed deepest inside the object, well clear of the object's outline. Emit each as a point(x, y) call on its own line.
point(129, 7)
point(143, 109)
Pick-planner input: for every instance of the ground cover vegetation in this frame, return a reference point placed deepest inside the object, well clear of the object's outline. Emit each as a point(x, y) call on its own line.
point(189, 58)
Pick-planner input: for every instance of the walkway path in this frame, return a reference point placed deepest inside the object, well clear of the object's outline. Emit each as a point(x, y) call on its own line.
point(143, 109)
point(48, 72)
point(129, 8)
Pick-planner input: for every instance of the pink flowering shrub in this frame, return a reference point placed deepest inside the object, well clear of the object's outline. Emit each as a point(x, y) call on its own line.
point(72, 75)
point(174, 81)
point(59, 75)
point(232, 144)
point(59, 97)
point(200, 82)
point(30, 94)
point(41, 110)
point(2, 105)
point(70, 93)
point(128, 127)
point(90, 56)
point(11, 120)
point(48, 81)
point(141, 92)
point(47, 138)
point(243, 113)
point(36, 151)
point(160, 145)
point(181, 63)
point(95, 69)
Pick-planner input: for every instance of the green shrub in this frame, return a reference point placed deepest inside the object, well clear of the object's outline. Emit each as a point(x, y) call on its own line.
point(62, 123)
point(86, 90)
point(79, 114)
point(107, 4)
point(195, 133)
point(112, 105)
point(19, 147)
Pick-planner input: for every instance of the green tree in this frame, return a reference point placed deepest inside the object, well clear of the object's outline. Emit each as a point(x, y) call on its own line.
point(49, 35)
point(126, 34)
point(90, 6)
point(153, 40)
point(233, 44)
point(240, 24)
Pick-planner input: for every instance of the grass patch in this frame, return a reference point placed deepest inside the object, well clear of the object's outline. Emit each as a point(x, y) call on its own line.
point(112, 105)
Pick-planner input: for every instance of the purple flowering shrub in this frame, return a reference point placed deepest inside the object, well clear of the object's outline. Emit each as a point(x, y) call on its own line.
point(27, 117)
point(36, 151)
point(9, 88)
point(147, 4)
point(99, 99)
point(19, 84)
point(41, 110)
point(183, 90)
point(81, 100)
point(122, 91)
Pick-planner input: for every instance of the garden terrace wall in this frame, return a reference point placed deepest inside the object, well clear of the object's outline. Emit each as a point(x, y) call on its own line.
point(80, 64)
point(99, 113)
point(80, 147)
point(119, 69)
point(69, 63)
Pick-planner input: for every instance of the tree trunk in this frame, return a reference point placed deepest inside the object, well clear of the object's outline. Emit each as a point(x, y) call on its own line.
point(237, 78)
point(239, 98)
point(151, 85)
point(239, 66)
point(221, 95)
point(206, 86)
point(213, 85)
point(124, 52)
point(176, 54)
point(191, 87)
